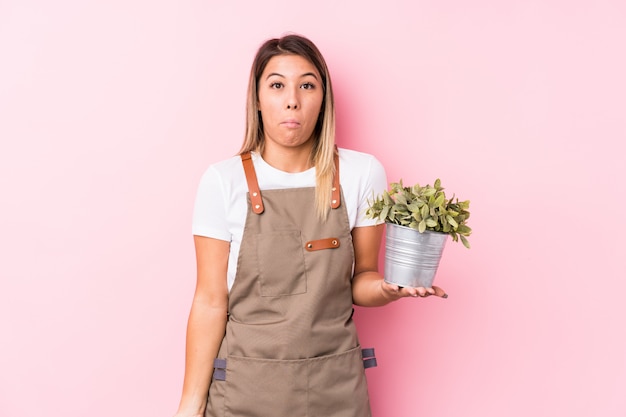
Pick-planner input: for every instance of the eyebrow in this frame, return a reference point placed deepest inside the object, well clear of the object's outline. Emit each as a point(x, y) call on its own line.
point(282, 76)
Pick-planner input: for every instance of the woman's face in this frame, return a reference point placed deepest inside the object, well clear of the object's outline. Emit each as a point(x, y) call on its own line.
point(290, 95)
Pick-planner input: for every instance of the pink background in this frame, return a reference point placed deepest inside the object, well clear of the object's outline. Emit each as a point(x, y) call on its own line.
point(111, 110)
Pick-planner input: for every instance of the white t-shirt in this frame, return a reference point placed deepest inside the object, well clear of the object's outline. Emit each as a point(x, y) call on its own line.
point(221, 205)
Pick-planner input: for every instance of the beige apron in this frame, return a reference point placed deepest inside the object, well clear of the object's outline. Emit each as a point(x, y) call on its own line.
point(291, 347)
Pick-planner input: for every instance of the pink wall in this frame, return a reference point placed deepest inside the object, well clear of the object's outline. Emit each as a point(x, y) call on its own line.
point(111, 110)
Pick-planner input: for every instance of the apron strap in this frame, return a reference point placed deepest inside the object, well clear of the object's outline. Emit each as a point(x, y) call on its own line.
point(335, 199)
point(219, 369)
point(253, 183)
point(369, 358)
point(255, 193)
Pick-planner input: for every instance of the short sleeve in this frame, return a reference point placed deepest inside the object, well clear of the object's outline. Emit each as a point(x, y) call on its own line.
point(374, 185)
point(209, 214)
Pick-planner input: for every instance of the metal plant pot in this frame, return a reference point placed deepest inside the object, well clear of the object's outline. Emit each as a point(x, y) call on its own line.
point(411, 257)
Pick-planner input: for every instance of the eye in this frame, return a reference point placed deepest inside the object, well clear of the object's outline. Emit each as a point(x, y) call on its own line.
point(307, 86)
point(276, 85)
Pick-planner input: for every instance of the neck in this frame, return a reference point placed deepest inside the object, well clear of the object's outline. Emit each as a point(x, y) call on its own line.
point(290, 160)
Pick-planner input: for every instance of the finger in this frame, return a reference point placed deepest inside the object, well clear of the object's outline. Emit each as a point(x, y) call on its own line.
point(391, 291)
point(419, 292)
point(406, 291)
point(392, 288)
point(439, 292)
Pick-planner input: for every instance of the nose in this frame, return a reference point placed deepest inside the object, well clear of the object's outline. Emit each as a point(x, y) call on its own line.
point(292, 100)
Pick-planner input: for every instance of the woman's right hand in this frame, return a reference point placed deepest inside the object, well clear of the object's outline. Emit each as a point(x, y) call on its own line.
point(207, 324)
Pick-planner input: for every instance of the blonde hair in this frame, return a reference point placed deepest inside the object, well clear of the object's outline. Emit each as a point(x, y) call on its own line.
point(323, 151)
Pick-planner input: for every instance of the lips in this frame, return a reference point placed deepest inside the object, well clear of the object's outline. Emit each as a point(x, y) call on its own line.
point(291, 123)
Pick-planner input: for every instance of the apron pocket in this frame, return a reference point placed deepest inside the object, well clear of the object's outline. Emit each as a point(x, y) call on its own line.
point(265, 387)
point(337, 385)
point(280, 259)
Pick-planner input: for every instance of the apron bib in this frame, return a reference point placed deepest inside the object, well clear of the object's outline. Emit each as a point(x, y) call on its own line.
point(291, 347)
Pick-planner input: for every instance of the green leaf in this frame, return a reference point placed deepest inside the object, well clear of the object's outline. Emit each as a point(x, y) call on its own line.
point(464, 230)
point(452, 222)
point(465, 241)
point(384, 212)
point(431, 223)
point(413, 208)
point(401, 208)
point(422, 226)
point(429, 192)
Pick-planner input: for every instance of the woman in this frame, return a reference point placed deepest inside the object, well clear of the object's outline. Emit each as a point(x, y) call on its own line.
point(283, 251)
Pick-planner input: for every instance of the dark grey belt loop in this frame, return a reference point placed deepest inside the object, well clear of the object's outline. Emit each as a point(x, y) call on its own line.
point(369, 358)
point(219, 371)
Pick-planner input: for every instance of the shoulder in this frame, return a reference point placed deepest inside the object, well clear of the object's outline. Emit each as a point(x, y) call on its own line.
point(362, 176)
point(353, 157)
point(220, 199)
point(226, 167)
point(223, 181)
point(355, 164)
point(223, 172)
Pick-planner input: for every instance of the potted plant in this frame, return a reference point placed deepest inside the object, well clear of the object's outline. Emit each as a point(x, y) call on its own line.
point(419, 221)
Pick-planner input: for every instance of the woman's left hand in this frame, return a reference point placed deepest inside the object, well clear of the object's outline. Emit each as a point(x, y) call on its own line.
point(393, 291)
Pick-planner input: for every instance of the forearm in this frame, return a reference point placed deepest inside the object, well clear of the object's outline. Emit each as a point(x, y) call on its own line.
point(205, 330)
point(367, 282)
point(367, 290)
